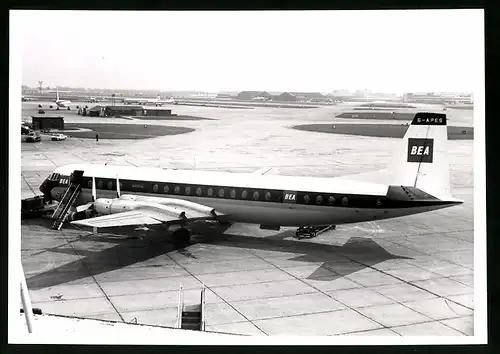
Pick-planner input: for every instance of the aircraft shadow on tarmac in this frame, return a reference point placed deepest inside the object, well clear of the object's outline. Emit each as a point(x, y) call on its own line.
point(337, 261)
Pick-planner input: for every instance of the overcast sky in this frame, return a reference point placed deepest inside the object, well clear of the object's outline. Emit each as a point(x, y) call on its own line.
point(394, 51)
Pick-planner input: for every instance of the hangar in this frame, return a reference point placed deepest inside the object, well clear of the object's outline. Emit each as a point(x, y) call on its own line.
point(283, 96)
point(134, 111)
point(46, 123)
point(156, 112)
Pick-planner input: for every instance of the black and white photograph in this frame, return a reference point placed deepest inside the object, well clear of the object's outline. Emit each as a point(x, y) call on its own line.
point(247, 177)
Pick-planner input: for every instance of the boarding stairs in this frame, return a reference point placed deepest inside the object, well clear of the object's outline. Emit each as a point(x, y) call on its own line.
point(191, 316)
point(68, 200)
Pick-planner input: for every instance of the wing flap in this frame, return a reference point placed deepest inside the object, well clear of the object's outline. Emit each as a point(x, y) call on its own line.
point(126, 218)
point(145, 216)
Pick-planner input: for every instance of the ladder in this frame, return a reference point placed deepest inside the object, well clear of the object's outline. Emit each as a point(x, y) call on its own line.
point(191, 316)
point(67, 201)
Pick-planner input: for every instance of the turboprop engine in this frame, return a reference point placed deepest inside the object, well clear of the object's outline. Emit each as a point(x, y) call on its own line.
point(112, 206)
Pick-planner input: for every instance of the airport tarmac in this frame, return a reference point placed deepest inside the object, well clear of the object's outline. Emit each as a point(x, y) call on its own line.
point(399, 277)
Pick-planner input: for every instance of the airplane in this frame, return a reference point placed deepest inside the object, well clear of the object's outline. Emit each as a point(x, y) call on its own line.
point(61, 103)
point(174, 198)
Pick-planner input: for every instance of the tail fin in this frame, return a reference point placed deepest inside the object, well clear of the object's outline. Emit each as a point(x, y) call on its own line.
point(57, 94)
point(422, 161)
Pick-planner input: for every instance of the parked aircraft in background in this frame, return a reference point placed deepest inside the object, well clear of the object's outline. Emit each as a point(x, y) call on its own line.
point(61, 103)
point(148, 101)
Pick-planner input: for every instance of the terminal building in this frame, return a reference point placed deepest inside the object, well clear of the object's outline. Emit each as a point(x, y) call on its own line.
point(439, 97)
point(282, 96)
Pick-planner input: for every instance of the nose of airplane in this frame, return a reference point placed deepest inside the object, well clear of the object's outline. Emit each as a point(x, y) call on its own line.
point(46, 188)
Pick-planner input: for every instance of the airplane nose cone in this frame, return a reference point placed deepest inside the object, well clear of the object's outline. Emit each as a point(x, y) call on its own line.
point(45, 188)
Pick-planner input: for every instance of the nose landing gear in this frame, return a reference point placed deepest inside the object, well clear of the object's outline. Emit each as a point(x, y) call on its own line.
point(182, 235)
point(312, 231)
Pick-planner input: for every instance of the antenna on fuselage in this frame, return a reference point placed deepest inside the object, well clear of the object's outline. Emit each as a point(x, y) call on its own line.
point(117, 186)
point(94, 191)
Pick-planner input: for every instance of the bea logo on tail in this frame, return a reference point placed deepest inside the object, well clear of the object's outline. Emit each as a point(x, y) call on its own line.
point(420, 150)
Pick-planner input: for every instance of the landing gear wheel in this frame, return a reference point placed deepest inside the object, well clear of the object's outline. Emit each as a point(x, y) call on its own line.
point(223, 223)
point(305, 232)
point(182, 235)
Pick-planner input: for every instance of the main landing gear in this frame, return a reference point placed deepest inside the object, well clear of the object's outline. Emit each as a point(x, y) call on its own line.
point(182, 235)
point(312, 231)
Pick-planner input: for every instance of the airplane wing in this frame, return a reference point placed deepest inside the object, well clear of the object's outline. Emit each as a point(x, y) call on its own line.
point(262, 171)
point(127, 218)
point(144, 216)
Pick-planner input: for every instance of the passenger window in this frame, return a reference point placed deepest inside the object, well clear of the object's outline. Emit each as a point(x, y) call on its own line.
point(198, 191)
point(89, 183)
point(233, 194)
point(177, 189)
point(99, 184)
point(307, 199)
point(155, 188)
point(244, 195)
point(221, 193)
point(210, 192)
point(165, 189)
point(110, 185)
point(345, 201)
point(267, 196)
point(331, 200)
point(319, 199)
point(187, 191)
point(255, 195)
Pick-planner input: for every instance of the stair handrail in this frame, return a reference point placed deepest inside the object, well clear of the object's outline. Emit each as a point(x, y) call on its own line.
point(71, 199)
point(180, 307)
point(66, 206)
point(60, 205)
point(202, 325)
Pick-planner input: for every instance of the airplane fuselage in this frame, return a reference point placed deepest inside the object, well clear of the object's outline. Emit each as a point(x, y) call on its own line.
point(249, 198)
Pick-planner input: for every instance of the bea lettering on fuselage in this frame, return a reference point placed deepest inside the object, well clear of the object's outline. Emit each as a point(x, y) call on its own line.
point(289, 197)
point(420, 150)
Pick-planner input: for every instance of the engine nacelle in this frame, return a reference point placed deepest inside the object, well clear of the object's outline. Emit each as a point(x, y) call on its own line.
point(112, 206)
